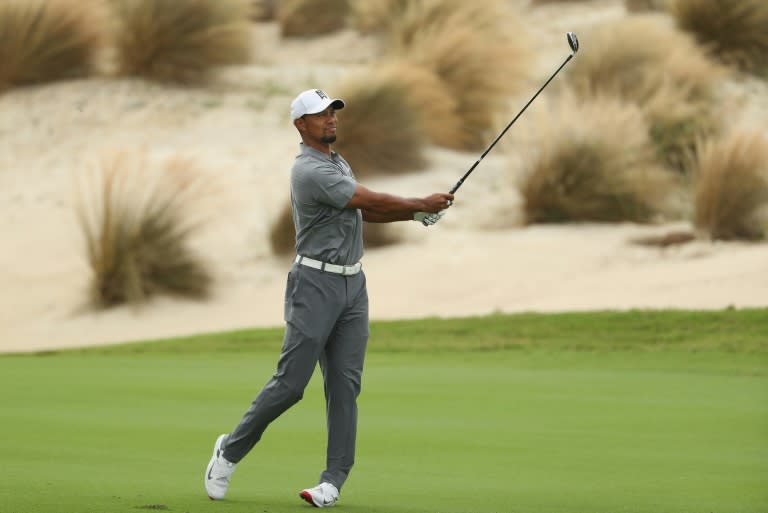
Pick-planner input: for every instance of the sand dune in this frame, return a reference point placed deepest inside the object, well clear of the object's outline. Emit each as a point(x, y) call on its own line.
point(239, 132)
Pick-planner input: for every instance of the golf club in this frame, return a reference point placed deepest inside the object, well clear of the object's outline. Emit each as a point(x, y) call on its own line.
point(573, 42)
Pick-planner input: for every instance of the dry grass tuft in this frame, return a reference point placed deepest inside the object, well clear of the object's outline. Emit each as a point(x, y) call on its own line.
point(646, 5)
point(47, 40)
point(541, 2)
point(436, 109)
point(181, 41)
point(731, 187)
point(282, 234)
point(307, 18)
point(379, 235)
point(594, 163)
point(376, 16)
point(263, 10)
point(405, 22)
point(634, 57)
point(476, 49)
point(378, 130)
point(666, 240)
point(667, 75)
point(677, 124)
point(138, 227)
point(734, 30)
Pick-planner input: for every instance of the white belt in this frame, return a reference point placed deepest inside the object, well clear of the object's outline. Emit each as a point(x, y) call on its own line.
point(345, 270)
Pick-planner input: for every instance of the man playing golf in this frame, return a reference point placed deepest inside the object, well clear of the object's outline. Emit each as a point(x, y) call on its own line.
point(326, 301)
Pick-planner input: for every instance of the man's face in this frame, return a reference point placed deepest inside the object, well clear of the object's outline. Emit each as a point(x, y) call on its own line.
point(321, 126)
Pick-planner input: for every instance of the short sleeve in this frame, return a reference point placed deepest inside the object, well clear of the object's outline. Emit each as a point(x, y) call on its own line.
point(325, 184)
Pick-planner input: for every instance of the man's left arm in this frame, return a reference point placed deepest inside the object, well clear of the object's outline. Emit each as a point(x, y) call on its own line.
point(424, 218)
point(378, 217)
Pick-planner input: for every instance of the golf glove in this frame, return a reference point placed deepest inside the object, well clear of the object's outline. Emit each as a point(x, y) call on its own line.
point(428, 219)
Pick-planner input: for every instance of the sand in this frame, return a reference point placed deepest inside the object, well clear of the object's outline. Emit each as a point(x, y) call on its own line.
point(477, 260)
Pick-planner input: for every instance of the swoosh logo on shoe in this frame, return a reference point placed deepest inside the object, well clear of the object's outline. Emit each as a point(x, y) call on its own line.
point(327, 502)
point(218, 452)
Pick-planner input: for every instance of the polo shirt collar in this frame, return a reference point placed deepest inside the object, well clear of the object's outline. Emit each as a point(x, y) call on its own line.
point(308, 150)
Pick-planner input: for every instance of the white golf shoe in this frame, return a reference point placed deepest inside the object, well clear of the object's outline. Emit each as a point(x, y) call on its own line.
point(323, 495)
point(218, 472)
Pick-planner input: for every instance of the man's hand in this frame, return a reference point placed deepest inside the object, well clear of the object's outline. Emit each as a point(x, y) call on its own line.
point(428, 219)
point(385, 208)
point(434, 210)
point(437, 202)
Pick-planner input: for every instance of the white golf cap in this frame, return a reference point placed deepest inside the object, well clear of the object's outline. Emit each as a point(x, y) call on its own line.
point(313, 101)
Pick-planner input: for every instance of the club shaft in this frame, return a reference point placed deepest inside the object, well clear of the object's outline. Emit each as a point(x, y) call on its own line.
point(488, 149)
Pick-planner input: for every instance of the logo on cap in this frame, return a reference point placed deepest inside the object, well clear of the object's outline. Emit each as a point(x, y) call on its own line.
point(321, 94)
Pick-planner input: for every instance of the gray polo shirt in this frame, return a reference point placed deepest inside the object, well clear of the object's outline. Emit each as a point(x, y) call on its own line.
point(320, 188)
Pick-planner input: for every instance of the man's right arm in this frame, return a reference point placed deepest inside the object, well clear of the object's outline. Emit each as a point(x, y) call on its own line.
point(380, 207)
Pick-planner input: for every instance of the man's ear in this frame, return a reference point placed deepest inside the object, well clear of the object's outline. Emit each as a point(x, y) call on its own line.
point(300, 124)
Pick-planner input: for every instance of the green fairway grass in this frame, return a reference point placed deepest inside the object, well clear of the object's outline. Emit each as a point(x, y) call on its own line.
point(646, 412)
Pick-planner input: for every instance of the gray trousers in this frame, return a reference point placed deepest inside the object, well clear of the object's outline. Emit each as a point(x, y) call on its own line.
point(326, 319)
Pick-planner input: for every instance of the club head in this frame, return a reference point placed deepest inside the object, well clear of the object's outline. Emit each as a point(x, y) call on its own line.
point(573, 41)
